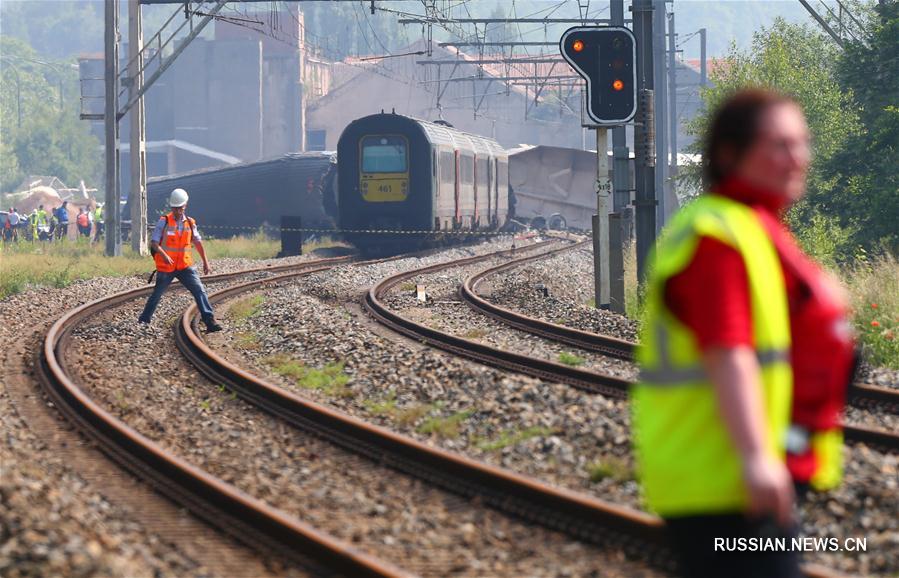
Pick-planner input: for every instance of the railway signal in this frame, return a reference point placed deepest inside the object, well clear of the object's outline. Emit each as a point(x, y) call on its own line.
point(607, 60)
point(606, 57)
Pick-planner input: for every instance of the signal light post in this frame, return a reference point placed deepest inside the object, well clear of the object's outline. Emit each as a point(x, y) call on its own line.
point(606, 58)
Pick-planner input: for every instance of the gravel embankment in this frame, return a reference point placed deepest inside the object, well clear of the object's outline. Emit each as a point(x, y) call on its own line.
point(879, 376)
point(56, 520)
point(387, 514)
point(558, 290)
point(550, 431)
point(445, 311)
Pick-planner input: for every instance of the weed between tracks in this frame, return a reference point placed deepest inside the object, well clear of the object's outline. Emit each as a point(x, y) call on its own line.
point(513, 437)
point(245, 308)
point(610, 468)
point(445, 427)
point(330, 379)
point(247, 341)
point(570, 359)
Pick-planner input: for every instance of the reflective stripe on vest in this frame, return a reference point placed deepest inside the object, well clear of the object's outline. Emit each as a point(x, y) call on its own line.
point(665, 372)
point(686, 459)
point(176, 241)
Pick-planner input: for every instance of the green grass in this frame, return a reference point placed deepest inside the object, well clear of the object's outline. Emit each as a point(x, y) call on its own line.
point(247, 341)
point(246, 307)
point(610, 468)
point(27, 265)
point(874, 291)
point(330, 379)
point(445, 427)
point(385, 407)
point(513, 437)
point(570, 359)
point(403, 416)
point(409, 415)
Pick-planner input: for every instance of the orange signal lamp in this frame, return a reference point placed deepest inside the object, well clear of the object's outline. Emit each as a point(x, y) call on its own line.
point(578, 45)
point(618, 85)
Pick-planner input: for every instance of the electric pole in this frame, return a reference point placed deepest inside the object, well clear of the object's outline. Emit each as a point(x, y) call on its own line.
point(644, 151)
point(703, 72)
point(672, 107)
point(660, 86)
point(137, 149)
point(110, 118)
point(620, 152)
point(621, 221)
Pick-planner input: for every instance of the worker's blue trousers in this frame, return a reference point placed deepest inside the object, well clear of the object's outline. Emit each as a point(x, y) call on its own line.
point(191, 281)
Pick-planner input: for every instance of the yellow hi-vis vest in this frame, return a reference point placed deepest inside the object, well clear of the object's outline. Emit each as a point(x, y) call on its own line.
point(686, 458)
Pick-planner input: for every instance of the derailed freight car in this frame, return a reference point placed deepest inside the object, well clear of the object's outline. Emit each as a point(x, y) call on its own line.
point(555, 187)
point(239, 199)
point(425, 181)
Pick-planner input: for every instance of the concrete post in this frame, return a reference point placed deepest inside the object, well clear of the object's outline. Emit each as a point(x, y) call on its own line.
point(660, 85)
point(616, 263)
point(601, 229)
point(138, 151)
point(672, 107)
point(644, 164)
point(111, 130)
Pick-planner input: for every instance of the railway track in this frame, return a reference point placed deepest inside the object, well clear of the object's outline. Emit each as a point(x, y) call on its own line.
point(579, 515)
point(262, 526)
point(248, 519)
point(556, 508)
point(590, 381)
point(502, 358)
point(860, 395)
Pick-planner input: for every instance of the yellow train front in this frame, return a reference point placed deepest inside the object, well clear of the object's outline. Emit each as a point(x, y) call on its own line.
point(405, 183)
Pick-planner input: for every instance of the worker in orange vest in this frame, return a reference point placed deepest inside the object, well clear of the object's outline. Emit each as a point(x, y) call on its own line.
point(171, 244)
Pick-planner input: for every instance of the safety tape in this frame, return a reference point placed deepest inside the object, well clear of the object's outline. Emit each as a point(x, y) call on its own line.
point(350, 231)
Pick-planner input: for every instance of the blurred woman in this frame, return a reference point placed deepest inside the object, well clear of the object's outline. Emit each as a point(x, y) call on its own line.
point(746, 352)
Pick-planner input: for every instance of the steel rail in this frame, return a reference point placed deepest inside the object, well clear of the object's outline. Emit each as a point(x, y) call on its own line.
point(858, 394)
point(605, 344)
point(248, 519)
point(482, 353)
point(574, 513)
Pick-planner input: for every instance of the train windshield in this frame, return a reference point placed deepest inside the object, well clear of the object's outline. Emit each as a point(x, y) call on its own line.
point(383, 154)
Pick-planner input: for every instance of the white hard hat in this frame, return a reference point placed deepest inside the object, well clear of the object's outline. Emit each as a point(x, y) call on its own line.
point(178, 198)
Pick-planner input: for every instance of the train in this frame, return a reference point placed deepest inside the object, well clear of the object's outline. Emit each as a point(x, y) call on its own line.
point(242, 198)
point(395, 182)
point(417, 181)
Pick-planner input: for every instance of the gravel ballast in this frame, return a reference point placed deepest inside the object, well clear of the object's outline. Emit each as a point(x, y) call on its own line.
point(550, 431)
point(392, 516)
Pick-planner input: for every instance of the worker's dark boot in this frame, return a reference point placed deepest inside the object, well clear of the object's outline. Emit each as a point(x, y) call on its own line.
point(212, 325)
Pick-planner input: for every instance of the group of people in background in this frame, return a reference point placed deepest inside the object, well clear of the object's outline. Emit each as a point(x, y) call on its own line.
point(41, 225)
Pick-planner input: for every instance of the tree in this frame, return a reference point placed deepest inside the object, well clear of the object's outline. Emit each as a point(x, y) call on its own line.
point(51, 140)
point(866, 189)
point(798, 60)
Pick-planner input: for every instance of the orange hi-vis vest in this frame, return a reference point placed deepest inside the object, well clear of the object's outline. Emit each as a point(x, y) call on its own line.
point(177, 242)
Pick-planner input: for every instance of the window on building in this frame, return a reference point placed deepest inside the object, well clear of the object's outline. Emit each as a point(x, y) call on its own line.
point(315, 140)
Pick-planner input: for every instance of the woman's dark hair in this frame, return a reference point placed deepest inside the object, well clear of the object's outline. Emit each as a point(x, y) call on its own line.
point(734, 129)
